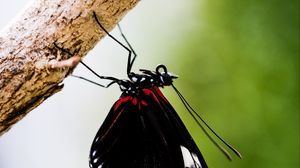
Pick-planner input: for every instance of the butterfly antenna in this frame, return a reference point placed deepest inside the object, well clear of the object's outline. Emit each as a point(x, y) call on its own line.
point(193, 113)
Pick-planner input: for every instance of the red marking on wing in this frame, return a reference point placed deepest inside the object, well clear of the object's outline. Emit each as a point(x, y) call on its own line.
point(121, 101)
point(134, 101)
point(144, 103)
point(115, 119)
point(149, 92)
point(160, 94)
point(156, 94)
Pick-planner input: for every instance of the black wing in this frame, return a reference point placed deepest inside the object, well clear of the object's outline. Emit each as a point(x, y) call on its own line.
point(176, 130)
point(144, 132)
point(116, 136)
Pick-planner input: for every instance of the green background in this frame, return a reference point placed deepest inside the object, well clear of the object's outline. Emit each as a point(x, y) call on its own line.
point(239, 67)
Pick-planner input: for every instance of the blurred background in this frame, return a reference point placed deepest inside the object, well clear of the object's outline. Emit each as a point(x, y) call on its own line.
point(238, 63)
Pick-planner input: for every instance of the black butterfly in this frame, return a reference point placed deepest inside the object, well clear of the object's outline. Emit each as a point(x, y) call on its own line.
point(142, 129)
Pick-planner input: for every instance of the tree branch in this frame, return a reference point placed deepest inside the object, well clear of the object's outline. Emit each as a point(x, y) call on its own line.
point(31, 66)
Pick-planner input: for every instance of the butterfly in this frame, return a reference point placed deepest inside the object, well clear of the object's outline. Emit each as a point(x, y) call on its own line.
point(142, 129)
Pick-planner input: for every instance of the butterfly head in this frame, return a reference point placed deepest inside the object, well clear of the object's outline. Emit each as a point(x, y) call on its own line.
point(165, 77)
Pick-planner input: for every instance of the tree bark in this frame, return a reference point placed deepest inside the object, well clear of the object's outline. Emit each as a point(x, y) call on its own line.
point(27, 47)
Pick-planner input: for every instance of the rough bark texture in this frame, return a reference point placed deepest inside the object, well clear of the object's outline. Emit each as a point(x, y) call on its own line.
point(27, 46)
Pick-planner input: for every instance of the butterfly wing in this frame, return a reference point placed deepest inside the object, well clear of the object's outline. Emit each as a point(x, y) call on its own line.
point(128, 139)
point(176, 129)
point(116, 137)
point(144, 132)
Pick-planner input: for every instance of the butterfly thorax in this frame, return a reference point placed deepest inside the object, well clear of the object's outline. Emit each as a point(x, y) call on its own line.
point(146, 79)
